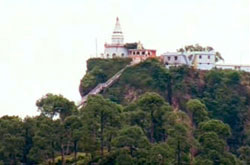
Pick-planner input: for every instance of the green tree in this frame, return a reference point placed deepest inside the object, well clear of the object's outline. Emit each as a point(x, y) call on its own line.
point(212, 137)
point(133, 138)
point(227, 100)
point(211, 141)
point(118, 157)
point(124, 158)
point(12, 140)
point(28, 133)
point(181, 144)
point(244, 152)
point(149, 113)
point(74, 129)
point(221, 129)
point(53, 105)
point(101, 118)
point(214, 149)
point(160, 154)
point(45, 140)
point(197, 110)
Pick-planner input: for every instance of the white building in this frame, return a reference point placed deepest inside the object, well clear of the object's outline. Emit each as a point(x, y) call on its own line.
point(203, 60)
point(245, 68)
point(117, 47)
point(174, 59)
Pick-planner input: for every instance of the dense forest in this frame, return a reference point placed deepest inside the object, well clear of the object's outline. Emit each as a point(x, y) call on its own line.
point(150, 116)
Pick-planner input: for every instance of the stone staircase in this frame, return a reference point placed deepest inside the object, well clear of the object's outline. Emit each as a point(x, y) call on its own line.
point(100, 87)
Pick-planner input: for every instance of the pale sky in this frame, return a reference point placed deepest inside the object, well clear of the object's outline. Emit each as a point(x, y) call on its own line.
point(44, 44)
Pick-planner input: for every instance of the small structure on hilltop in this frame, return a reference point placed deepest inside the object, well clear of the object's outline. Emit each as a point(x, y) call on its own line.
point(204, 60)
point(140, 54)
point(117, 48)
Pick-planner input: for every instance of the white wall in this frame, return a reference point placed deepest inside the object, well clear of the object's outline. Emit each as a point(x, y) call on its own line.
point(205, 61)
point(245, 68)
point(234, 67)
point(205, 66)
point(174, 59)
point(118, 51)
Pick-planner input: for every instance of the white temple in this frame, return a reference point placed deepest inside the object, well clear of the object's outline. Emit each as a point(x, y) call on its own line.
point(117, 47)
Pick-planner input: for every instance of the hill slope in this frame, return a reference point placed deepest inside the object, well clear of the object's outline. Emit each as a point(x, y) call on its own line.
point(225, 93)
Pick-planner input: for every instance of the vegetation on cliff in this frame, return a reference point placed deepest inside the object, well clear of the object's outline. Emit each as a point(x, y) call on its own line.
point(100, 70)
point(151, 115)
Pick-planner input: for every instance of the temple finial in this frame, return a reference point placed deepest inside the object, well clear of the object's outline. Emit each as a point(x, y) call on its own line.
point(117, 26)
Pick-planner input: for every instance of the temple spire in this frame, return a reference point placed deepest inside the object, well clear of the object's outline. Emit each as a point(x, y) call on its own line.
point(117, 37)
point(117, 26)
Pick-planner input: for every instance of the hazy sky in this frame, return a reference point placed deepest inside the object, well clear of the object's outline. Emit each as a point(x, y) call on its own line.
point(44, 44)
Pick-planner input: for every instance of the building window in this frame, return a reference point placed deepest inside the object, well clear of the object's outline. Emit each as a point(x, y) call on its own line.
point(133, 53)
point(176, 58)
point(143, 53)
point(200, 57)
point(208, 57)
point(107, 55)
point(122, 54)
point(149, 53)
point(138, 52)
point(113, 55)
point(169, 58)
